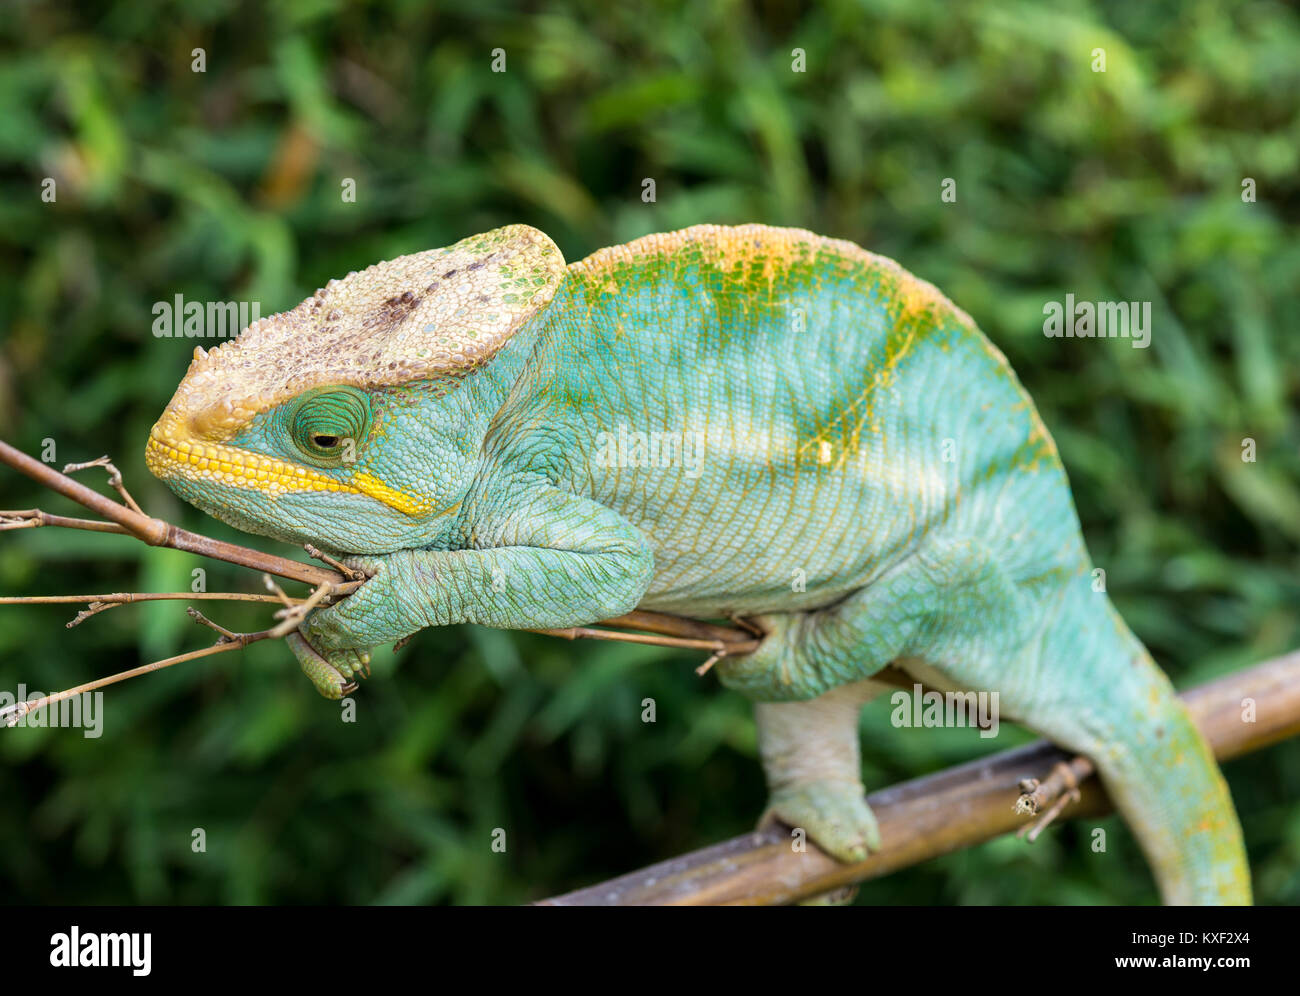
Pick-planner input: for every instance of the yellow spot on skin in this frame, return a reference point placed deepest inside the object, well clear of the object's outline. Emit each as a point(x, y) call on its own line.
point(370, 485)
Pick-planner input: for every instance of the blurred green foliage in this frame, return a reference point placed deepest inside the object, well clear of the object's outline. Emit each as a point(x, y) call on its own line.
point(225, 185)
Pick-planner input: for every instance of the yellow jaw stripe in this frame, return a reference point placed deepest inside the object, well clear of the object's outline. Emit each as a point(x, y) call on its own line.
point(241, 469)
point(370, 485)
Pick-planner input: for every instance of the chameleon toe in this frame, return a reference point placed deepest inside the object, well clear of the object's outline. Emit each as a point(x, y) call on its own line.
point(323, 675)
point(834, 814)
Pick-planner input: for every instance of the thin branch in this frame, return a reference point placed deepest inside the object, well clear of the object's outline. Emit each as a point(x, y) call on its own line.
point(591, 633)
point(1059, 790)
point(677, 632)
point(337, 582)
point(96, 604)
point(156, 532)
point(34, 518)
point(12, 715)
point(126, 597)
point(226, 635)
point(276, 591)
point(292, 615)
point(692, 634)
point(350, 573)
point(114, 479)
point(947, 811)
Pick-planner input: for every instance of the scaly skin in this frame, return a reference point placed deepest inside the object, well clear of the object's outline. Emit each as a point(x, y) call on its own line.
point(857, 468)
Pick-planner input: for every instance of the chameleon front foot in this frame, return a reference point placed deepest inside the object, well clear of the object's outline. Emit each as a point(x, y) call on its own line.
point(333, 672)
point(833, 813)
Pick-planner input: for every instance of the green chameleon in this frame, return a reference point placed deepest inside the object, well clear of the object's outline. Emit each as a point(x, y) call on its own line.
point(745, 422)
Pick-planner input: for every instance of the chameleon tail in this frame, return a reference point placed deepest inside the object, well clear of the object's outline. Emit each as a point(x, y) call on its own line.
point(1166, 784)
point(1159, 772)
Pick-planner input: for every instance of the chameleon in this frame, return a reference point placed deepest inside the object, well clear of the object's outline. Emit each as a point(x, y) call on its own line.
point(747, 422)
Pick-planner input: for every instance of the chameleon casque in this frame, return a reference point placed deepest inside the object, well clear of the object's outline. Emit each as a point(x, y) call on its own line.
point(436, 420)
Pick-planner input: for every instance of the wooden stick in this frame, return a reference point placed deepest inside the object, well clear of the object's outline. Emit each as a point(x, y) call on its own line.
point(693, 634)
point(739, 641)
point(645, 627)
point(114, 479)
point(658, 640)
point(34, 518)
point(96, 604)
point(156, 532)
point(127, 597)
point(943, 812)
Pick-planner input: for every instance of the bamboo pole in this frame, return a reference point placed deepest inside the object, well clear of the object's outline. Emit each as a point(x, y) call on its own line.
point(940, 813)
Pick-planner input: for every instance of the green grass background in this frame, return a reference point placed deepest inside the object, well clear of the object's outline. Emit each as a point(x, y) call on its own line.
point(226, 185)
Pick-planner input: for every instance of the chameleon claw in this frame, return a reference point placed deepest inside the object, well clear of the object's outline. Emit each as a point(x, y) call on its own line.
point(327, 679)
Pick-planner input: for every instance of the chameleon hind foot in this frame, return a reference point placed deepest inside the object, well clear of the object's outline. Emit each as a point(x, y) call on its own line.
point(334, 673)
point(834, 814)
point(811, 758)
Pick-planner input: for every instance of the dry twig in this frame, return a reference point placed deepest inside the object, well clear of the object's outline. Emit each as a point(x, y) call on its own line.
point(330, 584)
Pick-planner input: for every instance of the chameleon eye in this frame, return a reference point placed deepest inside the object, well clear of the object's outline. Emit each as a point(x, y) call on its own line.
point(325, 420)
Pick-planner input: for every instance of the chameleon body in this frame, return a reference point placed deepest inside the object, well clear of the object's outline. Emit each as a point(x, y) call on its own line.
point(744, 421)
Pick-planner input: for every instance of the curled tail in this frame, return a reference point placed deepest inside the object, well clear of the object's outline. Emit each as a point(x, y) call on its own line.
point(1121, 711)
point(1163, 778)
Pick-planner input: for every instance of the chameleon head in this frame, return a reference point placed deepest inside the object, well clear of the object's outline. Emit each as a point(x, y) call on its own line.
point(343, 421)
